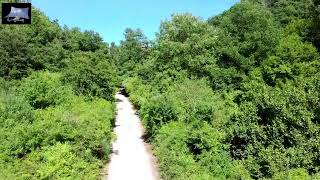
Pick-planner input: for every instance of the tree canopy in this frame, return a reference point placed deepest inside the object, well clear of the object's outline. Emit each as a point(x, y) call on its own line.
point(236, 96)
point(242, 86)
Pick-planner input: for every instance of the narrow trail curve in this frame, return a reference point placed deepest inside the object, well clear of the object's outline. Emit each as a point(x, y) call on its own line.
point(130, 159)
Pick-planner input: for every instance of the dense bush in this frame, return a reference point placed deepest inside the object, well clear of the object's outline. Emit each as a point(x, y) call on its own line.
point(51, 127)
point(59, 161)
point(44, 89)
point(248, 33)
point(195, 152)
point(139, 92)
point(236, 97)
point(156, 112)
point(81, 131)
point(16, 117)
point(15, 55)
point(76, 123)
point(91, 75)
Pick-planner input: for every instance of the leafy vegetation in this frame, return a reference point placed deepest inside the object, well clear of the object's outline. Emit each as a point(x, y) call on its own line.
point(56, 101)
point(233, 97)
point(236, 96)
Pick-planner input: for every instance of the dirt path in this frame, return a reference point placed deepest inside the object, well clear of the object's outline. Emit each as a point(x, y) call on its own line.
point(130, 159)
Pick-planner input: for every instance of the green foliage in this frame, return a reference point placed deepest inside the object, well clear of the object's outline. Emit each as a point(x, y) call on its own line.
point(184, 44)
point(275, 123)
point(171, 149)
point(286, 11)
point(16, 117)
point(290, 58)
point(194, 152)
point(194, 102)
point(30, 139)
point(77, 122)
point(139, 92)
point(91, 75)
point(225, 78)
point(44, 89)
point(15, 55)
point(314, 35)
point(90, 41)
point(234, 97)
point(292, 174)
point(133, 50)
point(156, 112)
point(47, 131)
point(183, 124)
point(42, 45)
point(248, 33)
point(59, 161)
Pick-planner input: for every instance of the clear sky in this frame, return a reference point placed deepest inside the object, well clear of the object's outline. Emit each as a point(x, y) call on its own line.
point(110, 17)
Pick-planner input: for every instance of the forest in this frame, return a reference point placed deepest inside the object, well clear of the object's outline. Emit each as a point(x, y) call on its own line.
point(56, 101)
point(235, 96)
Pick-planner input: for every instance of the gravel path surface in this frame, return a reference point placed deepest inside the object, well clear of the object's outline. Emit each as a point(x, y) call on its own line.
point(131, 159)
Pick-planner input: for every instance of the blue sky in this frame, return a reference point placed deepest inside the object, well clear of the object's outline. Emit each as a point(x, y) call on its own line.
point(110, 17)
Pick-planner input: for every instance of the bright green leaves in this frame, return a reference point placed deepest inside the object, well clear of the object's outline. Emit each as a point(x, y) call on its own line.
point(247, 34)
point(132, 52)
point(292, 58)
point(46, 130)
point(44, 89)
point(261, 120)
point(183, 27)
point(286, 11)
point(90, 41)
point(184, 124)
point(185, 43)
point(91, 75)
point(80, 129)
point(292, 49)
point(15, 53)
point(279, 119)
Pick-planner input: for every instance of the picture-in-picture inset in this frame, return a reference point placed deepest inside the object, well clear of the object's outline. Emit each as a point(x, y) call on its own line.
point(16, 13)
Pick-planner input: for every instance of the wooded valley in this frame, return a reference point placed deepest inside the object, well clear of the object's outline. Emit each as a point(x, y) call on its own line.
point(236, 96)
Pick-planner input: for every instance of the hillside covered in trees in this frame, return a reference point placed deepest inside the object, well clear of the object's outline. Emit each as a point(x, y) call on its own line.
point(232, 97)
point(236, 96)
point(56, 101)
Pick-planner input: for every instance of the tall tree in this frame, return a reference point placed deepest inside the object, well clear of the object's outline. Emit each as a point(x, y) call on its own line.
point(133, 50)
point(247, 34)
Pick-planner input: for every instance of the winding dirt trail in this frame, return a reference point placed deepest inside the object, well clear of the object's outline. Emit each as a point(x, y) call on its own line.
point(130, 159)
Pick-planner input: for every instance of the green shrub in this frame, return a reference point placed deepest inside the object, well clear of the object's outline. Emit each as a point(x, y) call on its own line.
point(65, 141)
point(15, 53)
point(85, 124)
point(59, 161)
point(194, 151)
point(44, 89)
point(292, 174)
point(175, 161)
point(68, 139)
point(16, 116)
point(62, 162)
point(275, 129)
point(195, 101)
point(91, 75)
point(156, 112)
point(139, 92)
point(292, 58)
point(46, 131)
point(247, 34)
